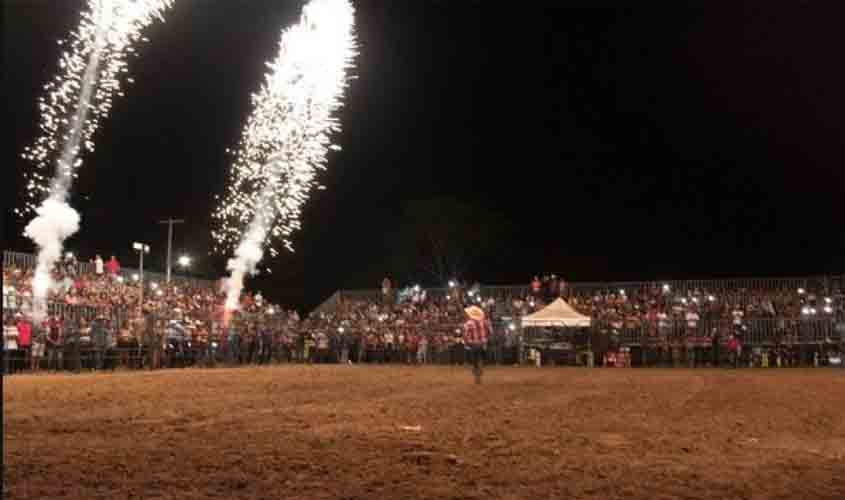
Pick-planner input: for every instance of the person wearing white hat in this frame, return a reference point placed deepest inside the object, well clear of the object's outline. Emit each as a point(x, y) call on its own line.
point(477, 330)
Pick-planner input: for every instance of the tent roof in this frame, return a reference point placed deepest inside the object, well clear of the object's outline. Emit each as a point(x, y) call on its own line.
point(558, 313)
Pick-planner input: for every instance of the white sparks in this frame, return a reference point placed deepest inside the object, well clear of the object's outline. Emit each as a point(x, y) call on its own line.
point(74, 102)
point(286, 139)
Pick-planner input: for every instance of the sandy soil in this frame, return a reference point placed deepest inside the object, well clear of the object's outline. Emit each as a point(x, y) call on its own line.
point(394, 432)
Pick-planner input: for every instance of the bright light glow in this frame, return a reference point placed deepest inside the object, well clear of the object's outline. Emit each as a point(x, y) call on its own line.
point(159, 293)
point(416, 288)
point(828, 300)
point(801, 291)
point(120, 279)
point(805, 310)
point(711, 298)
point(340, 329)
point(135, 277)
point(69, 255)
point(184, 261)
point(271, 311)
point(621, 292)
point(286, 139)
point(91, 72)
point(451, 284)
point(828, 309)
point(153, 285)
point(73, 103)
point(512, 327)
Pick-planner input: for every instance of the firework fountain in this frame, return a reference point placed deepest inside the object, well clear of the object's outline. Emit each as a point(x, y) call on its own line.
point(74, 102)
point(286, 138)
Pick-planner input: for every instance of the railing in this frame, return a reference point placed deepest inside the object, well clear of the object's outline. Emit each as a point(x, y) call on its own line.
point(13, 304)
point(23, 260)
point(752, 332)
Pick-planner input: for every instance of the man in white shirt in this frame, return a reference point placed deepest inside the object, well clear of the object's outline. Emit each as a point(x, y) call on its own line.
point(98, 265)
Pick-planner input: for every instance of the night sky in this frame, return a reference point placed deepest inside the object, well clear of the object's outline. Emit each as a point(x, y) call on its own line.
point(626, 144)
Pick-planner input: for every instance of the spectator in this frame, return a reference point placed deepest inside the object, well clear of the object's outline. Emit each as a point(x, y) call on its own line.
point(54, 344)
point(98, 265)
point(72, 331)
point(113, 266)
point(99, 338)
point(39, 339)
point(10, 345)
point(24, 338)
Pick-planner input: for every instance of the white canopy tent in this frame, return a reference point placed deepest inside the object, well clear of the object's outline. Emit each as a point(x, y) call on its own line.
point(559, 314)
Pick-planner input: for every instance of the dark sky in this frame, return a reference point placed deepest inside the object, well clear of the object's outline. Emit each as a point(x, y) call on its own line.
point(627, 144)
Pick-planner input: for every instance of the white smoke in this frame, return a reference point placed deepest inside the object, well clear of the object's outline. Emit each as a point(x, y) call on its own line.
point(248, 254)
point(54, 223)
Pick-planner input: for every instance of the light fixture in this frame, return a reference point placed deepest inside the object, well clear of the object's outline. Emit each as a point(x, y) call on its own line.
point(185, 261)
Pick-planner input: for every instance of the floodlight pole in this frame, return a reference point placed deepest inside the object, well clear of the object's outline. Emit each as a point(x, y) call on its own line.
point(170, 223)
point(142, 249)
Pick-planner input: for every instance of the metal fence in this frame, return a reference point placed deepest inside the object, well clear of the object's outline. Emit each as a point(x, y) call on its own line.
point(13, 304)
point(23, 260)
point(752, 332)
point(831, 284)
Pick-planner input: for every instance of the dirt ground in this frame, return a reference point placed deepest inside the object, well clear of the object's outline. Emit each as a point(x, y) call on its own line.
point(351, 432)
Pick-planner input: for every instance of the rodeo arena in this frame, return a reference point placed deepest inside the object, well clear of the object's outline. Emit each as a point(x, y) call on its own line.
point(107, 317)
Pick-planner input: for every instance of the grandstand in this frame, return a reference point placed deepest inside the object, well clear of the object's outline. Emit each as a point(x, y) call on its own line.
point(793, 321)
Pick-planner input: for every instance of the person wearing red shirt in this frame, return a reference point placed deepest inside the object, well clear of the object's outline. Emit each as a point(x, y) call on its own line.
point(24, 338)
point(113, 266)
point(476, 332)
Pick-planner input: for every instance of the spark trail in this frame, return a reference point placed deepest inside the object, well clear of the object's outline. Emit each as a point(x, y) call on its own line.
point(286, 138)
point(75, 100)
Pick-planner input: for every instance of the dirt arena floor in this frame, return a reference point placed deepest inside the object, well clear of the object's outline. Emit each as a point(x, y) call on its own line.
point(347, 432)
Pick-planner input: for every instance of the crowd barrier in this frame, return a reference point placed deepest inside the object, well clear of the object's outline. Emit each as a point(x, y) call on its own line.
point(752, 332)
point(24, 304)
point(735, 287)
point(23, 260)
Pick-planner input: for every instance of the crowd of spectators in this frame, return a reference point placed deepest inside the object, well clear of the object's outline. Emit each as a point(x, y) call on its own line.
point(183, 323)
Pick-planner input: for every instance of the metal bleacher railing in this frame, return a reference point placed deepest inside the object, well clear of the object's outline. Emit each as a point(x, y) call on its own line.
point(23, 260)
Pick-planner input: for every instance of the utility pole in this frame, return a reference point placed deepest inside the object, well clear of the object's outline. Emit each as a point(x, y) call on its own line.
point(170, 223)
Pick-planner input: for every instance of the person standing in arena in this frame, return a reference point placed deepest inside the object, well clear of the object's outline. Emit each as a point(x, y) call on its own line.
point(476, 332)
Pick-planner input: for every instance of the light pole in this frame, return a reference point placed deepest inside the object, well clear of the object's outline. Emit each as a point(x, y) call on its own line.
point(141, 249)
point(170, 223)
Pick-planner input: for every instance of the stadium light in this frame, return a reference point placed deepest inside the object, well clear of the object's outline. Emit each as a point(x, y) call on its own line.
point(185, 261)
